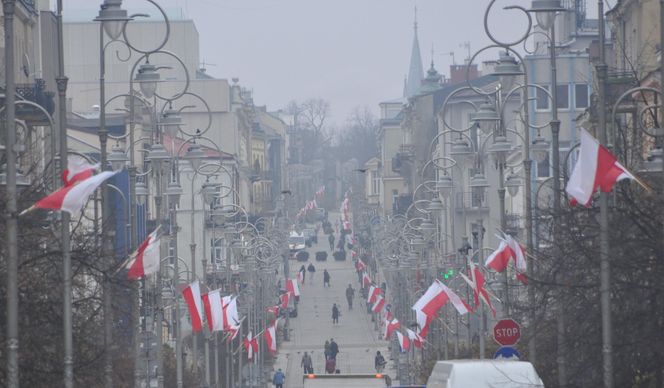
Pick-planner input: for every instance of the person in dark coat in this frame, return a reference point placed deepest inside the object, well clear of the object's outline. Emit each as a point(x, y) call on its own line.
point(335, 314)
point(326, 278)
point(350, 294)
point(312, 270)
point(304, 273)
point(330, 239)
point(334, 349)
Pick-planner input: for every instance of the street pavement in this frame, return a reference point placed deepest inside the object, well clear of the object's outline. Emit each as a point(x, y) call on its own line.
point(356, 334)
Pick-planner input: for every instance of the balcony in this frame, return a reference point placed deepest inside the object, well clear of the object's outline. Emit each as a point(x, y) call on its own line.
point(37, 94)
point(470, 201)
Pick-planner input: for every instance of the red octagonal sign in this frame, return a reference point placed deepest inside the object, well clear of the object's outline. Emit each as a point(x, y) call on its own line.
point(507, 332)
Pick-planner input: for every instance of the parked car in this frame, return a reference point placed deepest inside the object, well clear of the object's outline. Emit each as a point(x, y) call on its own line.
point(309, 236)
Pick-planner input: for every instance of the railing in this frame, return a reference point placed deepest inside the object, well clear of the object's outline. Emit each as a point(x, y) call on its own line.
point(35, 93)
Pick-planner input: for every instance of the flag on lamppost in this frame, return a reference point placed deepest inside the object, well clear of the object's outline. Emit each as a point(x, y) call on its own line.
point(214, 310)
point(271, 337)
point(192, 295)
point(251, 346)
point(145, 261)
point(404, 342)
point(390, 327)
point(78, 169)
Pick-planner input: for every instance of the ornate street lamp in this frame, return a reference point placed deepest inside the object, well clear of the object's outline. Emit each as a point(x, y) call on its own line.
point(195, 156)
point(147, 78)
point(117, 158)
point(112, 17)
point(444, 185)
point(545, 12)
point(513, 183)
point(507, 70)
point(486, 117)
point(500, 148)
point(171, 121)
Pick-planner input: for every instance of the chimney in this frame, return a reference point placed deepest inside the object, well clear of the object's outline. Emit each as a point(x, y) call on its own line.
point(458, 73)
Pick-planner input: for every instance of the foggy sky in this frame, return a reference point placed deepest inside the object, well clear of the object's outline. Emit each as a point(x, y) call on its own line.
point(350, 52)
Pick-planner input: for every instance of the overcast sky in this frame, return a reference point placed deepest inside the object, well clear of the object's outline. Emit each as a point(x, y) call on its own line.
point(349, 52)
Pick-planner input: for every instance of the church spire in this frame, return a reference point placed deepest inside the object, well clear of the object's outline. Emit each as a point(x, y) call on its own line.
point(416, 70)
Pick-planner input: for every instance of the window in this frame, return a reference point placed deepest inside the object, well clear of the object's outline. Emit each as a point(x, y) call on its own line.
point(544, 168)
point(218, 250)
point(375, 182)
point(581, 96)
point(563, 96)
point(542, 98)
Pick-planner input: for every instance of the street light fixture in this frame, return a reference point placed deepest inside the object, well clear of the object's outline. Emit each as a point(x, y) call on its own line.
point(147, 78)
point(513, 183)
point(545, 12)
point(117, 158)
point(142, 192)
point(507, 70)
point(209, 192)
point(444, 185)
point(486, 117)
point(158, 155)
point(171, 122)
point(195, 156)
point(540, 149)
point(173, 192)
point(461, 149)
point(435, 205)
point(112, 17)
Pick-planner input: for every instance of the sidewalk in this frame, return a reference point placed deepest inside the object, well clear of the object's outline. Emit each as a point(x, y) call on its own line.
point(355, 334)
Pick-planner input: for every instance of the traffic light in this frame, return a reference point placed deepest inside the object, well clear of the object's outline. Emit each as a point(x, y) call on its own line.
point(447, 274)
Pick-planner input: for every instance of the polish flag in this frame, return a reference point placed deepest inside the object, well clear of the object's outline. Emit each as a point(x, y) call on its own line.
point(459, 304)
point(404, 342)
point(476, 283)
point(595, 168)
point(229, 311)
point(500, 258)
point(145, 261)
point(292, 287)
point(271, 337)
point(213, 310)
point(232, 331)
point(432, 300)
point(366, 280)
point(71, 199)
point(78, 169)
point(519, 259)
point(390, 327)
point(192, 295)
point(285, 297)
point(374, 292)
point(360, 266)
point(251, 346)
point(378, 304)
point(415, 338)
point(346, 225)
point(423, 321)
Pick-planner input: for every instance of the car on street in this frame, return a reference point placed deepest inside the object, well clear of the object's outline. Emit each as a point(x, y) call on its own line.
point(483, 374)
point(296, 243)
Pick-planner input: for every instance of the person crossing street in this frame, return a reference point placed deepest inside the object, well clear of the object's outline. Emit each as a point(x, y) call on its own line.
point(307, 363)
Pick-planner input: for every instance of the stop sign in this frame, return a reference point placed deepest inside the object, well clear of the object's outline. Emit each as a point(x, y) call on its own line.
point(507, 332)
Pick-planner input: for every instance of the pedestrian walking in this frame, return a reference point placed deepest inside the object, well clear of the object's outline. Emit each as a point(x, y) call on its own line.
point(304, 273)
point(350, 294)
point(335, 314)
point(312, 270)
point(330, 239)
point(326, 278)
point(307, 364)
point(334, 349)
point(279, 379)
point(379, 362)
point(327, 349)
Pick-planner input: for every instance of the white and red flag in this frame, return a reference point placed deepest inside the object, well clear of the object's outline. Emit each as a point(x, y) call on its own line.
point(500, 258)
point(360, 266)
point(432, 300)
point(78, 169)
point(214, 310)
point(459, 304)
point(271, 337)
point(251, 346)
point(145, 261)
point(285, 298)
point(595, 168)
point(415, 338)
point(292, 287)
point(404, 342)
point(229, 310)
point(378, 304)
point(390, 327)
point(71, 199)
point(374, 292)
point(423, 322)
point(192, 295)
point(366, 280)
point(232, 331)
point(476, 283)
point(519, 259)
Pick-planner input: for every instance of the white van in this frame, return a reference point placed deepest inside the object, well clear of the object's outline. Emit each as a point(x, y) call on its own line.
point(484, 374)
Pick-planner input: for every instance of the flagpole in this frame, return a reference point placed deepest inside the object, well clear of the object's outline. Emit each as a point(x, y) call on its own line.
point(605, 269)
